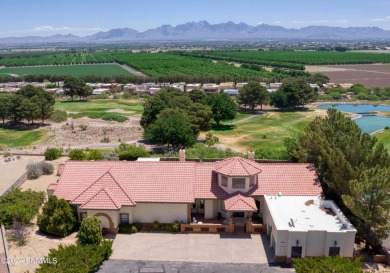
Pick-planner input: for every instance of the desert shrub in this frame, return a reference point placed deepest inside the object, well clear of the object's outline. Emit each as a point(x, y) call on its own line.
point(387, 128)
point(327, 264)
point(53, 153)
point(57, 218)
point(105, 140)
point(111, 156)
point(127, 96)
point(131, 152)
point(76, 258)
point(19, 206)
point(100, 97)
point(278, 154)
point(116, 96)
point(59, 116)
point(134, 229)
point(176, 226)
point(156, 225)
point(46, 167)
point(115, 117)
point(18, 233)
point(93, 154)
point(90, 232)
point(76, 154)
point(34, 170)
point(83, 127)
point(202, 151)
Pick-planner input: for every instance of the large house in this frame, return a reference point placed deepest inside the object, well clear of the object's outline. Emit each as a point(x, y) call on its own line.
point(195, 193)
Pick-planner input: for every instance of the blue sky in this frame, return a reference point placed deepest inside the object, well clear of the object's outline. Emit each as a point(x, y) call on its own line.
point(83, 17)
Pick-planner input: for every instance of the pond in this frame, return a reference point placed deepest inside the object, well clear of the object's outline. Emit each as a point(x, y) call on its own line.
point(368, 123)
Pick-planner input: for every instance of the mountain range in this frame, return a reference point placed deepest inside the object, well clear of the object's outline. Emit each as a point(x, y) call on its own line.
point(204, 31)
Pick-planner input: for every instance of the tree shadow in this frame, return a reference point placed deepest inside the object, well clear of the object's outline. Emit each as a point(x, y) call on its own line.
point(21, 126)
point(223, 127)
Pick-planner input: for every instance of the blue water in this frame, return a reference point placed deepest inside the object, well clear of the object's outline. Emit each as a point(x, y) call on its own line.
point(368, 124)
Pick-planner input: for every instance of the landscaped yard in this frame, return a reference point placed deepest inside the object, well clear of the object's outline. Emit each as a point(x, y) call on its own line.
point(16, 137)
point(266, 131)
point(73, 70)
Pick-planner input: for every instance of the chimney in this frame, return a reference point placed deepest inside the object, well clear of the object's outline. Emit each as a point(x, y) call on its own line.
point(251, 155)
point(182, 155)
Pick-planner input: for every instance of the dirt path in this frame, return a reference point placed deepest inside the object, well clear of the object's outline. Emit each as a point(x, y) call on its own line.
point(133, 71)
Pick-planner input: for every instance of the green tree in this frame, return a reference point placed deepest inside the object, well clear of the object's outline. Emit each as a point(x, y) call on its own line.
point(57, 217)
point(15, 108)
point(369, 199)
point(223, 108)
point(253, 94)
point(211, 140)
point(171, 128)
point(90, 232)
point(44, 102)
point(297, 91)
point(5, 101)
point(279, 99)
point(199, 116)
point(73, 86)
point(29, 109)
point(197, 95)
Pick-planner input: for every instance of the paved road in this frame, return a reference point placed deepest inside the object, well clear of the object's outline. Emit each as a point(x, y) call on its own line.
point(124, 266)
point(132, 70)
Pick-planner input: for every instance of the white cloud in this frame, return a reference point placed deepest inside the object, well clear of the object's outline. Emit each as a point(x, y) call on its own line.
point(299, 22)
point(277, 22)
point(384, 19)
point(260, 23)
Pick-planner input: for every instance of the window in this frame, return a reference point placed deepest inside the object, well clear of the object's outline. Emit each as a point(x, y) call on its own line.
point(224, 181)
point(124, 218)
point(238, 183)
point(83, 215)
point(252, 180)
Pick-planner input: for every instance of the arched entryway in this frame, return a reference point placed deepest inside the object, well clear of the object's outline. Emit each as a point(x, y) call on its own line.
point(106, 222)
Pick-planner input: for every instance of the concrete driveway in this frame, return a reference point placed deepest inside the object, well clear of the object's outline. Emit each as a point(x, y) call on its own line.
point(215, 248)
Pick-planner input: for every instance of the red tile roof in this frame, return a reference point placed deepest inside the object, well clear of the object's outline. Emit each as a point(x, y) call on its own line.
point(112, 184)
point(52, 187)
point(237, 166)
point(240, 202)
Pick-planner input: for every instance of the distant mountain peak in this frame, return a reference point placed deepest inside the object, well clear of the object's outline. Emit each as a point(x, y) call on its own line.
point(203, 30)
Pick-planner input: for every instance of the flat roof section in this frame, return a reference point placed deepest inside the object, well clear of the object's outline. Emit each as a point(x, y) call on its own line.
point(304, 213)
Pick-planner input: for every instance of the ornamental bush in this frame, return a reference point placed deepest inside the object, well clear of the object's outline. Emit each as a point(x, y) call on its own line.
point(57, 218)
point(76, 154)
point(53, 153)
point(90, 232)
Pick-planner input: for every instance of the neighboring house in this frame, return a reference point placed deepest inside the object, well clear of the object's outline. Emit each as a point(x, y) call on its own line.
point(100, 91)
point(231, 190)
point(240, 85)
point(210, 88)
point(231, 92)
point(192, 86)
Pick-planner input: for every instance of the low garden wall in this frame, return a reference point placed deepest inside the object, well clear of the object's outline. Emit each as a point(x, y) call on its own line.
point(207, 228)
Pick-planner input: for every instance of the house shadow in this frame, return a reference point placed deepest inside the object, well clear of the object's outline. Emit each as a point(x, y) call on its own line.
point(235, 236)
point(269, 251)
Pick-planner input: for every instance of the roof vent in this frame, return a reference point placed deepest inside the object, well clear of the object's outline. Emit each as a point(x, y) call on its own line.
point(280, 194)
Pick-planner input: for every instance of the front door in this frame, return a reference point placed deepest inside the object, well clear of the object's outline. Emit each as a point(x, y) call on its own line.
point(296, 252)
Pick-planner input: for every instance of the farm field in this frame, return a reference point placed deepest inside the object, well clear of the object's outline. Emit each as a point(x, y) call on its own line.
point(73, 70)
point(166, 64)
point(17, 138)
point(376, 75)
point(125, 107)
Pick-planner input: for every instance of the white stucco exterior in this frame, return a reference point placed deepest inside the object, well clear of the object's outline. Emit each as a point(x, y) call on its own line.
point(143, 213)
point(211, 208)
point(386, 243)
point(162, 212)
point(316, 227)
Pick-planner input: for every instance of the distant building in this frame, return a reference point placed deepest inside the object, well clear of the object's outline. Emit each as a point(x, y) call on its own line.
point(100, 91)
point(179, 85)
point(231, 92)
point(275, 85)
point(192, 86)
point(240, 85)
point(226, 85)
point(210, 88)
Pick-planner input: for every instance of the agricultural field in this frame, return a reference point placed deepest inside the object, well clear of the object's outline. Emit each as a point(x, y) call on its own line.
point(375, 75)
point(165, 64)
point(73, 70)
point(50, 58)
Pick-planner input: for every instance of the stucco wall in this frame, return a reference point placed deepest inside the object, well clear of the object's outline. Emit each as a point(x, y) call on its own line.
point(211, 208)
point(386, 243)
point(164, 213)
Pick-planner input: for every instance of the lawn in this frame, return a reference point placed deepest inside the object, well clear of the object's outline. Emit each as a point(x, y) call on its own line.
point(267, 131)
point(384, 137)
point(129, 107)
point(73, 70)
point(17, 138)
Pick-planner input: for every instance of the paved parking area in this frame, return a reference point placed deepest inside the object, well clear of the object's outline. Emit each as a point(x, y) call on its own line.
point(208, 248)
